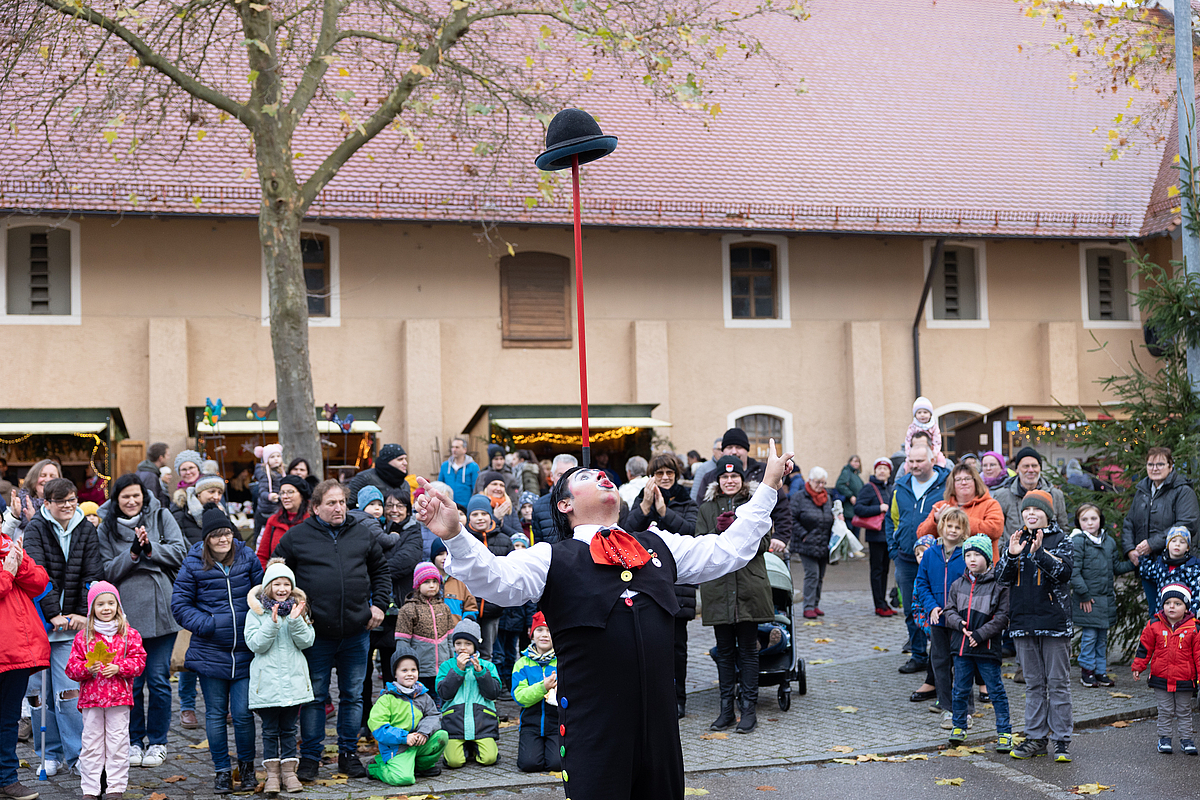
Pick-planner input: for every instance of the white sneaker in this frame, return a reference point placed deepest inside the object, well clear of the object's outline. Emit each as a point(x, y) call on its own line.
point(154, 756)
point(947, 720)
point(135, 756)
point(51, 766)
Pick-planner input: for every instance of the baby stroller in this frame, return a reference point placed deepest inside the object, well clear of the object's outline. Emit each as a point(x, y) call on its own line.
point(777, 663)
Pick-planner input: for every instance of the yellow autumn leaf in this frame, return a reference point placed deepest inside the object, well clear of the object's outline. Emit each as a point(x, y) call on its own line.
point(199, 745)
point(1172, 191)
point(200, 135)
point(847, 709)
point(823, 641)
point(841, 748)
point(420, 69)
point(511, 251)
point(714, 736)
point(343, 72)
point(1121, 723)
point(1091, 788)
point(100, 654)
point(813, 624)
point(819, 661)
point(689, 791)
point(44, 52)
point(914, 757)
point(949, 781)
point(851, 761)
point(1120, 694)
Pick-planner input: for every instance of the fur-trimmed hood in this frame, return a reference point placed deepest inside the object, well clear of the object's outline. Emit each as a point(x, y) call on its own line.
point(743, 495)
point(255, 602)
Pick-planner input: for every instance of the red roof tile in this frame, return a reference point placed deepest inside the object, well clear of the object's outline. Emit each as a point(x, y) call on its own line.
point(917, 117)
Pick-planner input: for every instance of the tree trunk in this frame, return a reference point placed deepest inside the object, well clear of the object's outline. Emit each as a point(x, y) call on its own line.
point(279, 234)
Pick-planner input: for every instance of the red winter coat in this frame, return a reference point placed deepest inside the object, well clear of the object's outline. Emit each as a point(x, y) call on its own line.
point(272, 531)
point(24, 644)
point(99, 692)
point(1173, 654)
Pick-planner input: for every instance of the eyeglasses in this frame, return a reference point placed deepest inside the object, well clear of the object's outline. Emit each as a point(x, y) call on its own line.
point(227, 534)
point(393, 506)
point(665, 473)
point(1156, 465)
point(964, 479)
point(70, 501)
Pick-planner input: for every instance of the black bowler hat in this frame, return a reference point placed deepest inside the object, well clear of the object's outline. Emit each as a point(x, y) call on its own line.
point(573, 132)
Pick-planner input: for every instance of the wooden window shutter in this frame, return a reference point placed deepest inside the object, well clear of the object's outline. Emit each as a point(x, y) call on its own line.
point(535, 300)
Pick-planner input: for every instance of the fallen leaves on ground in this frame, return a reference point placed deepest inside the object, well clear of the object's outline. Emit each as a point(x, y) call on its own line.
point(714, 736)
point(688, 790)
point(1120, 694)
point(1090, 788)
point(913, 757)
point(175, 779)
point(1009, 675)
point(331, 749)
point(949, 781)
point(822, 641)
point(841, 748)
point(845, 761)
point(1121, 723)
point(813, 624)
point(880, 649)
point(961, 750)
point(418, 797)
point(816, 661)
point(865, 757)
point(556, 774)
point(199, 745)
point(23, 764)
point(330, 781)
point(847, 709)
point(157, 796)
point(766, 788)
point(508, 724)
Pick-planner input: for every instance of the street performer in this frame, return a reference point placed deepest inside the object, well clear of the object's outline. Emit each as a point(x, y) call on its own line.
point(608, 598)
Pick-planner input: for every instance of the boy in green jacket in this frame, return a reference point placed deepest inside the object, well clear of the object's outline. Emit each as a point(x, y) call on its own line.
point(407, 726)
point(535, 687)
point(469, 687)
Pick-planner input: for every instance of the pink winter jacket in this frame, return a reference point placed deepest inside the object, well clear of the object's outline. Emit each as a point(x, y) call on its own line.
point(98, 692)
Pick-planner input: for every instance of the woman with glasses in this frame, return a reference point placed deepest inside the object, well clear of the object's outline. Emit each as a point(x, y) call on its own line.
point(27, 501)
point(294, 491)
point(1161, 500)
point(142, 548)
point(63, 543)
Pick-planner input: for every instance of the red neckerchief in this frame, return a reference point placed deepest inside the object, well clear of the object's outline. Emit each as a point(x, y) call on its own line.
point(617, 548)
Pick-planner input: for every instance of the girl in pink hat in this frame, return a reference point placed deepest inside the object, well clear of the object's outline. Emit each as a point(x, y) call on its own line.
point(105, 658)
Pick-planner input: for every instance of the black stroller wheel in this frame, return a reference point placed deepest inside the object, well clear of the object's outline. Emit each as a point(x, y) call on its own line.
point(785, 697)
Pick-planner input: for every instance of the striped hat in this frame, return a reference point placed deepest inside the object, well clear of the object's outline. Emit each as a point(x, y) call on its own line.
point(425, 571)
point(979, 544)
point(1177, 591)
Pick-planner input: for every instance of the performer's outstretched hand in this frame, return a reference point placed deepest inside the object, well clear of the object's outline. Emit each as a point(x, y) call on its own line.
point(778, 467)
point(436, 514)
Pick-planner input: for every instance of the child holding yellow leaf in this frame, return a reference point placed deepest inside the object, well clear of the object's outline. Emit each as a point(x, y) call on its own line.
point(105, 658)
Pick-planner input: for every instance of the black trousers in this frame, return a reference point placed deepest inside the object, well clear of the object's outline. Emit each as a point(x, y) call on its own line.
point(739, 641)
point(616, 706)
point(880, 566)
point(681, 640)
point(537, 753)
point(383, 641)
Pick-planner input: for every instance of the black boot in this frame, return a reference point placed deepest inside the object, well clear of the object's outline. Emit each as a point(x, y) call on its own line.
point(727, 679)
point(247, 780)
point(749, 720)
point(223, 783)
point(749, 699)
point(308, 769)
point(351, 765)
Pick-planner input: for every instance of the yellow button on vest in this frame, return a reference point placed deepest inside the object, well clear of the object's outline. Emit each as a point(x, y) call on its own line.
point(627, 576)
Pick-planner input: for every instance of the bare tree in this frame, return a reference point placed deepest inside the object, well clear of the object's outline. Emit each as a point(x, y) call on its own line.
point(146, 81)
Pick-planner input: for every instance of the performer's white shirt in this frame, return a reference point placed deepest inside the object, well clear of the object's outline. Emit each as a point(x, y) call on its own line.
point(520, 576)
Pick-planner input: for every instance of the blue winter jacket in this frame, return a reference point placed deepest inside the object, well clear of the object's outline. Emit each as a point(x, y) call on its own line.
point(900, 525)
point(212, 605)
point(935, 576)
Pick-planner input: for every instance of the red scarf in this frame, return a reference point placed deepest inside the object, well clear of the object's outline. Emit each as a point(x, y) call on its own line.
point(820, 498)
point(615, 547)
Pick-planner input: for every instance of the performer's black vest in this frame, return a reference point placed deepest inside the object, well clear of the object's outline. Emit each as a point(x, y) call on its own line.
point(581, 593)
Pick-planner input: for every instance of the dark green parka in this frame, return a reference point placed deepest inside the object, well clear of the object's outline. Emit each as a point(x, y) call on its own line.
point(744, 595)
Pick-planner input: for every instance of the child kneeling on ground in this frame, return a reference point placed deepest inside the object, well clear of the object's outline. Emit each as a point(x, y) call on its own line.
point(1170, 646)
point(535, 687)
point(468, 687)
point(976, 614)
point(406, 724)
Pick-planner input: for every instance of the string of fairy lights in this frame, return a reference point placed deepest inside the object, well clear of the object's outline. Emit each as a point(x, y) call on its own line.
point(524, 439)
point(97, 443)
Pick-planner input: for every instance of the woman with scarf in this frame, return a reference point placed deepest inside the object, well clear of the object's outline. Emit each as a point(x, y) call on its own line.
point(142, 548)
point(812, 509)
point(993, 469)
point(294, 492)
point(189, 505)
point(27, 501)
point(666, 504)
point(390, 472)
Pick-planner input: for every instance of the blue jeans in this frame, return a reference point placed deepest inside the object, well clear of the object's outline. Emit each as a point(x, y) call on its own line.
point(187, 690)
point(279, 732)
point(504, 654)
point(1093, 650)
point(12, 690)
point(1151, 590)
point(906, 576)
point(349, 657)
point(222, 697)
point(964, 680)
point(64, 723)
point(152, 721)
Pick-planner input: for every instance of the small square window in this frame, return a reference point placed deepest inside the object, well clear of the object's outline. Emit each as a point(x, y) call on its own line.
point(752, 270)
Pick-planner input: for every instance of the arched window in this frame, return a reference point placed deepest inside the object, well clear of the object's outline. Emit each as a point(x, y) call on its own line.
point(761, 424)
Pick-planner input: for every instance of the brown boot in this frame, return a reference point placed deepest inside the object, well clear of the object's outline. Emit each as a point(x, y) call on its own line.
point(272, 767)
point(290, 782)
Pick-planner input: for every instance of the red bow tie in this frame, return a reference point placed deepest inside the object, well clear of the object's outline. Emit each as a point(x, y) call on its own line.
point(617, 548)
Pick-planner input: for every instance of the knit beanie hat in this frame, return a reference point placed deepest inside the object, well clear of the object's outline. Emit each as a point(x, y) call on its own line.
point(368, 494)
point(1176, 590)
point(487, 476)
point(520, 537)
point(88, 508)
point(1181, 531)
point(922, 402)
point(728, 464)
point(1023, 453)
point(526, 498)
point(882, 460)
point(299, 484)
point(735, 436)
point(995, 455)
point(102, 587)
point(214, 519)
point(539, 621)
point(277, 569)
point(425, 571)
point(389, 452)
point(467, 629)
point(479, 502)
point(404, 651)
point(1039, 499)
point(925, 541)
point(979, 544)
point(210, 482)
point(435, 547)
point(265, 452)
point(494, 450)
point(188, 455)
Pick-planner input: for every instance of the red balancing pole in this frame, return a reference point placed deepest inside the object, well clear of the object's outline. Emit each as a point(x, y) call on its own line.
point(583, 394)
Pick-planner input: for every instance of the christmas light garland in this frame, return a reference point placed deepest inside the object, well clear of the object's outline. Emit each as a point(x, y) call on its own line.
point(569, 438)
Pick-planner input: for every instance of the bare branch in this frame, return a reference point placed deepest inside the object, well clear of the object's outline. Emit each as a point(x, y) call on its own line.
point(314, 71)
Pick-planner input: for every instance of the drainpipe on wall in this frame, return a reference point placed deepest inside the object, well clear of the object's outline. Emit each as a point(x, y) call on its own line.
point(916, 328)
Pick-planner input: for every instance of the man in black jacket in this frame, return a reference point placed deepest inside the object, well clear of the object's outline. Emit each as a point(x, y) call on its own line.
point(1161, 500)
point(340, 564)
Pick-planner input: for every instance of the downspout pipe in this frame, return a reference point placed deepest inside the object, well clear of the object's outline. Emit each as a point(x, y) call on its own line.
point(934, 260)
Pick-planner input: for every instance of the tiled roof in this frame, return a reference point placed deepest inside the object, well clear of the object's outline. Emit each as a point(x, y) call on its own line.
point(917, 117)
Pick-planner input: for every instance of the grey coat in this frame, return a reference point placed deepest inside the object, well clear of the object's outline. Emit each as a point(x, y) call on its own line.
point(1010, 493)
point(145, 584)
point(1092, 579)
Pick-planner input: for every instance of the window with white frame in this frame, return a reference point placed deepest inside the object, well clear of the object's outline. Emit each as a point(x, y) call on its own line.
point(761, 424)
point(958, 293)
point(39, 271)
point(755, 281)
point(319, 257)
point(1106, 274)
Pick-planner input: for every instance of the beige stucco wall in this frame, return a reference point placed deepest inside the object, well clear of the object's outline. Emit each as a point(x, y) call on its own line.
point(171, 315)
